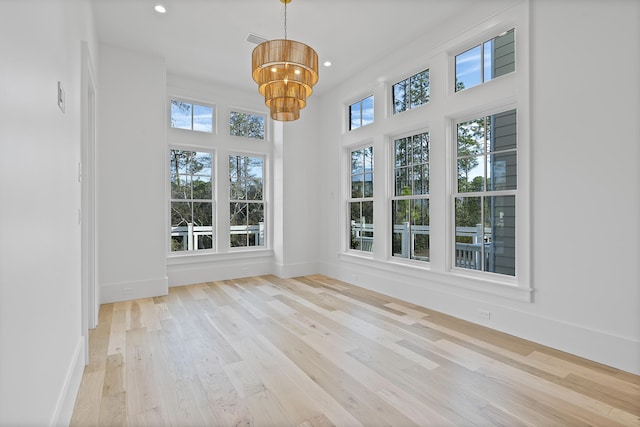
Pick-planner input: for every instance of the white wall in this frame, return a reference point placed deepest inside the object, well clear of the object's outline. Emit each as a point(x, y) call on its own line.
point(585, 183)
point(131, 175)
point(41, 347)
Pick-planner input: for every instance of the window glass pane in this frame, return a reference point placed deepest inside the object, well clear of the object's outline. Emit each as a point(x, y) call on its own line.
point(237, 187)
point(254, 178)
point(181, 113)
point(503, 131)
point(471, 174)
point(201, 187)
point(202, 118)
point(401, 241)
point(368, 185)
point(468, 248)
point(468, 70)
point(202, 212)
point(355, 225)
point(402, 151)
point(355, 116)
point(256, 127)
point(421, 148)
point(238, 224)
point(500, 235)
point(368, 159)
point(400, 96)
point(420, 89)
point(403, 185)
point(504, 61)
point(502, 171)
point(357, 186)
point(471, 136)
point(488, 60)
point(180, 186)
point(420, 176)
point(236, 121)
point(420, 229)
point(247, 125)
point(255, 223)
point(367, 111)
point(357, 162)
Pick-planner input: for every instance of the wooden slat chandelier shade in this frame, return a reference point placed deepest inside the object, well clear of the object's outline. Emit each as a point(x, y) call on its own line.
point(285, 71)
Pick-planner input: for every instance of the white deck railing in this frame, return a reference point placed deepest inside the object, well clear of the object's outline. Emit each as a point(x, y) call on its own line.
point(468, 255)
point(190, 234)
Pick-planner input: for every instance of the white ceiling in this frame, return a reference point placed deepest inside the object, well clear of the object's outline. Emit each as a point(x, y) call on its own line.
point(206, 39)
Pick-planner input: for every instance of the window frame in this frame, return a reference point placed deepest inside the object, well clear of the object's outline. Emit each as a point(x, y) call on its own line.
point(193, 103)
point(392, 197)
point(364, 199)
point(263, 202)
point(213, 201)
point(483, 194)
point(265, 137)
point(349, 113)
point(409, 103)
point(481, 45)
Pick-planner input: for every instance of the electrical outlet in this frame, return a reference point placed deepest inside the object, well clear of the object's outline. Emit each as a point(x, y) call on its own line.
point(485, 314)
point(127, 292)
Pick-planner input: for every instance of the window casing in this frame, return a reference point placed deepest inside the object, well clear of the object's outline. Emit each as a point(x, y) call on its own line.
point(484, 62)
point(247, 125)
point(246, 201)
point(361, 200)
point(192, 200)
point(361, 113)
point(190, 116)
point(410, 201)
point(411, 92)
point(486, 191)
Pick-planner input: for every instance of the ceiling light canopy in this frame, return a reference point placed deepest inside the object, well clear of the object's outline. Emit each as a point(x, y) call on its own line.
point(285, 71)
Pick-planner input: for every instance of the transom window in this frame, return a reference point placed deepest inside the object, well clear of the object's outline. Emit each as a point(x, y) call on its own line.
point(246, 124)
point(410, 202)
point(186, 115)
point(246, 201)
point(361, 113)
point(485, 201)
point(411, 92)
point(191, 203)
point(361, 200)
point(491, 59)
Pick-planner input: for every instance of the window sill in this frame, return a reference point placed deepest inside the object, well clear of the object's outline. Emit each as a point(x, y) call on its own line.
point(485, 283)
point(181, 259)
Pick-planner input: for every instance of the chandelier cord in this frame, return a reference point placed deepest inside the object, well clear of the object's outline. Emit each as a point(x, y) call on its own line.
point(285, 20)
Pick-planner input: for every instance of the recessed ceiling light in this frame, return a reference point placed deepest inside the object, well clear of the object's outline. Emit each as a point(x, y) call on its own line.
point(160, 8)
point(327, 63)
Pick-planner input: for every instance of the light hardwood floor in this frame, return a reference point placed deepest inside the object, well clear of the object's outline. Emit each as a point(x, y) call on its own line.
point(314, 351)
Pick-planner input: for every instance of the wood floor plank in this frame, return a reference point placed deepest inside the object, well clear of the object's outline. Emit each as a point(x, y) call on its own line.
point(316, 351)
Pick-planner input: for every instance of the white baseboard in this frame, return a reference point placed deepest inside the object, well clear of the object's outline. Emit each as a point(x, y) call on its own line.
point(285, 271)
point(67, 398)
point(123, 291)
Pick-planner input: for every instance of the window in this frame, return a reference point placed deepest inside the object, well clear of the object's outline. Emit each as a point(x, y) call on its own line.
point(410, 202)
point(247, 125)
point(185, 115)
point(485, 200)
point(361, 113)
point(411, 92)
point(246, 200)
point(485, 62)
point(191, 200)
point(361, 201)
